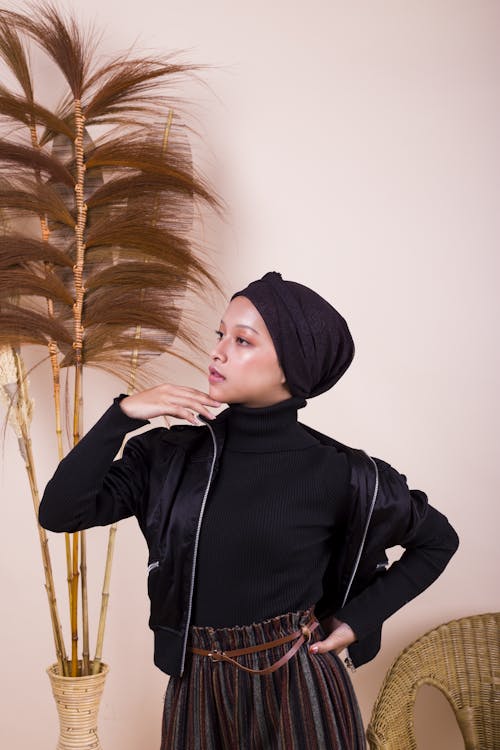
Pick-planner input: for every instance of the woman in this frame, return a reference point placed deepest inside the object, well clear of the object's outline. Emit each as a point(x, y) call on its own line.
point(251, 608)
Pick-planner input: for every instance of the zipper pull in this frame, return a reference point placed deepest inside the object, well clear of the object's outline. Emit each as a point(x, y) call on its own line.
point(349, 664)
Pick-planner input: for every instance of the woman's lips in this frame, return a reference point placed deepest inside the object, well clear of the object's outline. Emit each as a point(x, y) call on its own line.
point(214, 376)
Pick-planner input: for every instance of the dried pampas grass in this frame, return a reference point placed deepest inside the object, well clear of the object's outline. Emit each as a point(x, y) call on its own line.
point(98, 203)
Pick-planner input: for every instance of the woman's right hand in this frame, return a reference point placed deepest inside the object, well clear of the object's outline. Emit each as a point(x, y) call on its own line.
point(169, 400)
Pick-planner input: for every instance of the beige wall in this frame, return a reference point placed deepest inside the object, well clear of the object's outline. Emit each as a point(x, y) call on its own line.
point(357, 147)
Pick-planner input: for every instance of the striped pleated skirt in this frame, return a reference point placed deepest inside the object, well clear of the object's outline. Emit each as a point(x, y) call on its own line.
point(307, 704)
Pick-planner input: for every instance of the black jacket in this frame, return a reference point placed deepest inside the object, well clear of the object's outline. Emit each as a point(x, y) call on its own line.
point(163, 478)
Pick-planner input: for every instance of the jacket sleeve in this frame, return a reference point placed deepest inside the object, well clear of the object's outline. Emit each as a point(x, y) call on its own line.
point(88, 487)
point(429, 541)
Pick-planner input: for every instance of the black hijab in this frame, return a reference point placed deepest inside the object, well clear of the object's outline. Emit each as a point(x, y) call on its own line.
point(312, 340)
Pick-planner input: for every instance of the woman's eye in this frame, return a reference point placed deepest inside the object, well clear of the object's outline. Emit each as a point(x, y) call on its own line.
point(238, 339)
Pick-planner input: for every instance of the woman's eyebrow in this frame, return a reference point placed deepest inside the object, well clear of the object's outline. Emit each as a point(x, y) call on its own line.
point(243, 325)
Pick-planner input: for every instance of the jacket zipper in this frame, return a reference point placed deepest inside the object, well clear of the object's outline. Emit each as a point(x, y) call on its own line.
point(348, 661)
point(193, 570)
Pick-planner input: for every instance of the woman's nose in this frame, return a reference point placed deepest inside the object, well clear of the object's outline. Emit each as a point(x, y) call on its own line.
point(218, 352)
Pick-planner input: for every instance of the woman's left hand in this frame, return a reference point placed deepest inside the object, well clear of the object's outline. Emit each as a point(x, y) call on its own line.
point(341, 635)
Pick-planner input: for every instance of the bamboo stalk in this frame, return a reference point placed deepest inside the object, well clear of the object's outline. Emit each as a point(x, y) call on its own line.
point(85, 608)
point(30, 466)
point(69, 570)
point(47, 566)
point(83, 573)
point(81, 214)
point(74, 608)
point(14, 382)
point(56, 382)
point(44, 542)
point(52, 345)
point(54, 363)
point(96, 663)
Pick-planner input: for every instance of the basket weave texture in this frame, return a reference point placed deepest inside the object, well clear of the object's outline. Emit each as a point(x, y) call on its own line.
point(77, 701)
point(460, 658)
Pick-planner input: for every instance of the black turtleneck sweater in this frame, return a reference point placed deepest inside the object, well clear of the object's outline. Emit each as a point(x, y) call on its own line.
point(272, 515)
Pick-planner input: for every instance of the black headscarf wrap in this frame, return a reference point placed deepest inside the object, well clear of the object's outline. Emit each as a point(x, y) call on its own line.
point(312, 340)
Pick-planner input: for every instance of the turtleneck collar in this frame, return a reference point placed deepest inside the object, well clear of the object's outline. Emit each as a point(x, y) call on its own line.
point(267, 428)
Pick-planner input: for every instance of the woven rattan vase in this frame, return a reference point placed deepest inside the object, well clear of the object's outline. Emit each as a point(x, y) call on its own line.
point(77, 701)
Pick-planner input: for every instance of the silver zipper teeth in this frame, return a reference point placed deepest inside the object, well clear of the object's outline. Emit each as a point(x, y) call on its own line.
point(153, 566)
point(193, 571)
point(348, 660)
point(365, 532)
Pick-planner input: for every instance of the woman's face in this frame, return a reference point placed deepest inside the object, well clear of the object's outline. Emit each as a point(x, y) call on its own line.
point(245, 359)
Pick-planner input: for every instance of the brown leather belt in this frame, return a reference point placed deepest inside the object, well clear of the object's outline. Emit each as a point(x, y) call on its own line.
point(303, 636)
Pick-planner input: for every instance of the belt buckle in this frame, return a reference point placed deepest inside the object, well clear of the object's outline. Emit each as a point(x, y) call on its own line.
point(306, 633)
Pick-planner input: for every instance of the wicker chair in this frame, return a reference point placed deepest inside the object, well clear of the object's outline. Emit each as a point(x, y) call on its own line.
point(461, 658)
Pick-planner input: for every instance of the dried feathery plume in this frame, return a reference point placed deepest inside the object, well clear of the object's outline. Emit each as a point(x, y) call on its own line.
point(14, 393)
point(109, 179)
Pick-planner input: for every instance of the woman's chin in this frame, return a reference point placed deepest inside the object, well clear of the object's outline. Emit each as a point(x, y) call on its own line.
point(218, 392)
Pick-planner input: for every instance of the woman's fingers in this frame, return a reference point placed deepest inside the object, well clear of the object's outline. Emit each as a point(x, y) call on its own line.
point(169, 400)
point(188, 409)
point(201, 396)
point(196, 404)
point(339, 638)
point(191, 415)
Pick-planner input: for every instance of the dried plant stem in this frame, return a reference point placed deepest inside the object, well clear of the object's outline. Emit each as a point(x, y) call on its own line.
point(81, 215)
point(96, 664)
point(54, 363)
point(52, 345)
point(69, 574)
point(85, 608)
point(74, 608)
point(69, 569)
point(56, 382)
point(81, 212)
point(83, 574)
point(23, 409)
point(53, 351)
point(47, 565)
